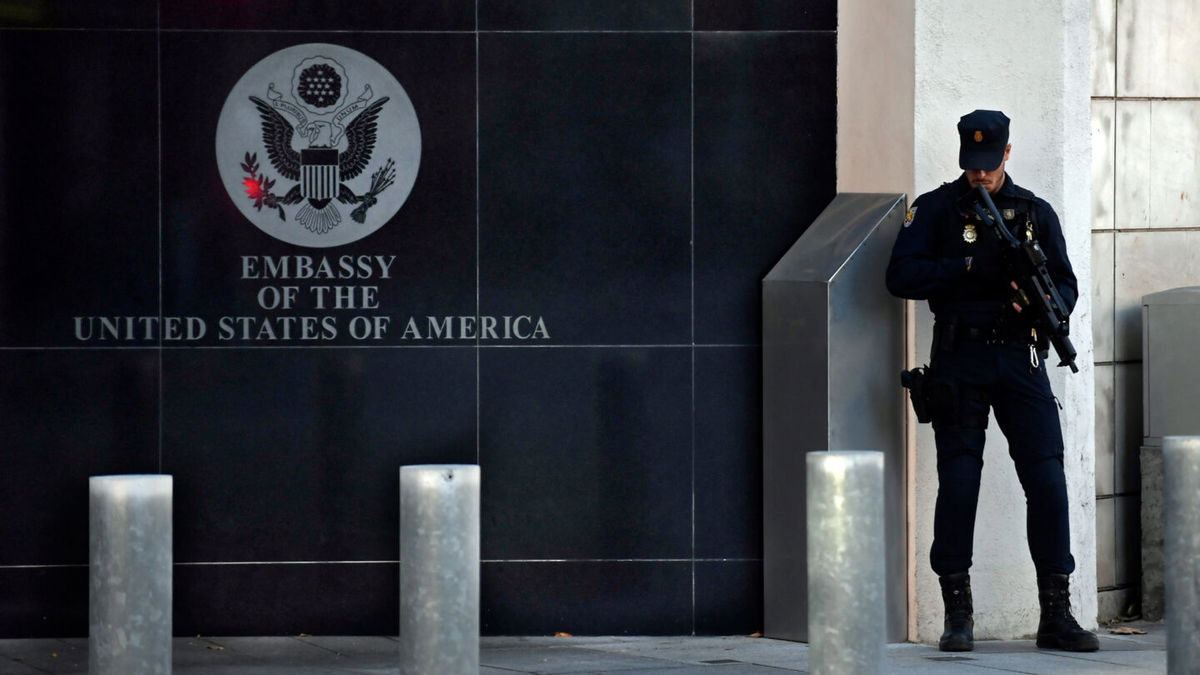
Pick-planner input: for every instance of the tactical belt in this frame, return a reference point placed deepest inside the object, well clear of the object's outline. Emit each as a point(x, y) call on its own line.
point(946, 334)
point(992, 335)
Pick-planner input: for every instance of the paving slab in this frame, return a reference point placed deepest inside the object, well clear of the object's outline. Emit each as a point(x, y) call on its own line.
point(567, 659)
point(43, 656)
point(379, 655)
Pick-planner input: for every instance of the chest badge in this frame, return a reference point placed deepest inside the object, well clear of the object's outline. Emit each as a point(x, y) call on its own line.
point(969, 234)
point(1009, 214)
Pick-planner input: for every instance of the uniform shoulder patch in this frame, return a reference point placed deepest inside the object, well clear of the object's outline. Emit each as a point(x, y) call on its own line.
point(908, 217)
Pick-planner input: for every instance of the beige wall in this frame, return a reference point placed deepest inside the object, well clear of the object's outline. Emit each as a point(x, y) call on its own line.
point(875, 96)
point(1145, 238)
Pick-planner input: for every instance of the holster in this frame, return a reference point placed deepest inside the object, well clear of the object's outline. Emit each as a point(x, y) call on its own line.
point(918, 383)
point(939, 398)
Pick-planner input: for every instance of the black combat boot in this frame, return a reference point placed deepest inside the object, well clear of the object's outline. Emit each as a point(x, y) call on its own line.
point(959, 634)
point(1058, 629)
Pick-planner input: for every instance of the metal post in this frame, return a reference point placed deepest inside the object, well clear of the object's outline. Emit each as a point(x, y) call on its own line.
point(129, 596)
point(1181, 552)
point(846, 611)
point(439, 569)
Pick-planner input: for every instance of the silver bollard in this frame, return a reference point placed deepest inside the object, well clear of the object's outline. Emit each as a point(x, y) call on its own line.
point(1181, 552)
point(846, 610)
point(439, 569)
point(129, 592)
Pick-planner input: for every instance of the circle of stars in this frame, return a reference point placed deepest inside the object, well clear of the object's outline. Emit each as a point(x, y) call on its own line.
point(320, 86)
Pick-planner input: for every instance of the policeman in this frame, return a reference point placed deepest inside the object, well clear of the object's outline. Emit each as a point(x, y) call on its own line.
point(986, 355)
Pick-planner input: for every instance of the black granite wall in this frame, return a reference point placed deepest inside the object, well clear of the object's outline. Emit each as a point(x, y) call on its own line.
point(622, 172)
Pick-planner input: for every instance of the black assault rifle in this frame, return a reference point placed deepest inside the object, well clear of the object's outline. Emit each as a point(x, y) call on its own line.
point(1036, 291)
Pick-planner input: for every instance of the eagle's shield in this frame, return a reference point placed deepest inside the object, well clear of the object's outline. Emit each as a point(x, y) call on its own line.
point(319, 173)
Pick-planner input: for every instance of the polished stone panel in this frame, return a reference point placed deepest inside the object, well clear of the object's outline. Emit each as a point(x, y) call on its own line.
point(728, 455)
point(1106, 543)
point(1104, 47)
point(1133, 164)
point(65, 416)
point(48, 602)
point(584, 15)
point(291, 454)
point(78, 182)
point(273, 599)
point(584, 163)
point(729, 598)
point(365, 15)
point(587, 598)
point(1148, 262)
point(1159, 40)
point(72, 14)
point(1103, 295)
point(766, 15)
point(1175, 164)
point(1130, 433)
point(1105, 429)
point(1128, 536)
point(1103, 164)
point(430, 242)
point(764, 166)
point(586, 453)
point(584, 184)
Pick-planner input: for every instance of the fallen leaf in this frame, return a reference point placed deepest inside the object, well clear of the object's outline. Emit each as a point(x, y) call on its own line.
point(1127, 630)
point(304, 635)
point(216, 648)
point(561, 634)
point(755, 634)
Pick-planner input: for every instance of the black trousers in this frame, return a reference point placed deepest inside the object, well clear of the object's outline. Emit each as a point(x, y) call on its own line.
point(999, 376)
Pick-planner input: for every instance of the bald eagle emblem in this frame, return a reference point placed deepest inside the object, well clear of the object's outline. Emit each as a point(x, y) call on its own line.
point(318, 145)
point(330, 149)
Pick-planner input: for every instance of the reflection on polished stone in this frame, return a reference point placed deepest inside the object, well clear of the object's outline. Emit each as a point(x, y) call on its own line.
point(581, 15)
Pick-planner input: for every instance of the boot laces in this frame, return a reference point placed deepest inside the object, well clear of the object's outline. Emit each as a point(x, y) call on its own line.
point(957, 599)
point(1058, 606)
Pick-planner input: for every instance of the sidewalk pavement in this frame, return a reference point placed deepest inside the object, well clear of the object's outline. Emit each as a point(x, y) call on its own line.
point(307, 655)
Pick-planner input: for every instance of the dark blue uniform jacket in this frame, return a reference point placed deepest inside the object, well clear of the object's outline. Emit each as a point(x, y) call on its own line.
point(929, 259)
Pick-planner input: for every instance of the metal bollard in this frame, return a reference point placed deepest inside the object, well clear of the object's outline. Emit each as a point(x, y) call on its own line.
point(846, 611)
point(439, 569)
point(1181, 552)
point(129, 592)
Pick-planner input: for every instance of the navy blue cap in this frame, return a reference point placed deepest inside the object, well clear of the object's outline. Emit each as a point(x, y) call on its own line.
point(983, 135)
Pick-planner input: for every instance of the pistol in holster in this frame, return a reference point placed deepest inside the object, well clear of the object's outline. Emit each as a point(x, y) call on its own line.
point(931, 396)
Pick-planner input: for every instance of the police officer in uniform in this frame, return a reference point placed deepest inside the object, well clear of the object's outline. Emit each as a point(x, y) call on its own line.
point(985, 354)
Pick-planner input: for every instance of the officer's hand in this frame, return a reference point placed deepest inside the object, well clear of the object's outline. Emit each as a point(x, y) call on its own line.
point(1017, 305)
